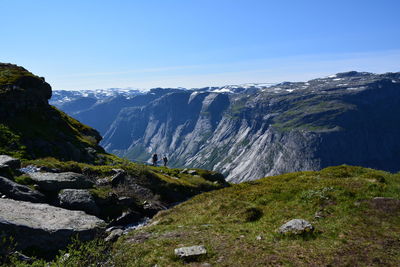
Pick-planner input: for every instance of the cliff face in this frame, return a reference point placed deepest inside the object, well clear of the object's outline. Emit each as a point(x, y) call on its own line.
point(349, 118)
point(31, 128)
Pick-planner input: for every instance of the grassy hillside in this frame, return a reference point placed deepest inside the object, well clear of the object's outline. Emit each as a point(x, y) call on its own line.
point(354, 225)
point(238, 224)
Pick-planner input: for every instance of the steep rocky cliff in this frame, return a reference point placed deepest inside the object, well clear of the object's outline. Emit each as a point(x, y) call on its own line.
point(31, 128)
point(251, 132)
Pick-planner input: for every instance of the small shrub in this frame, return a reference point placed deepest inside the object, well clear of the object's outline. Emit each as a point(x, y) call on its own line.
point(24, 180)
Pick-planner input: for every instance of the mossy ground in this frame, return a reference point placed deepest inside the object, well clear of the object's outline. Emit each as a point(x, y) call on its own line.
point(238, 225)
point(349, 232)
point(9, 74)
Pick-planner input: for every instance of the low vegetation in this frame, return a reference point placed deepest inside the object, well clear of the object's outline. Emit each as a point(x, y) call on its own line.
point(238, 225)
point(171, 185)
point(355, 212)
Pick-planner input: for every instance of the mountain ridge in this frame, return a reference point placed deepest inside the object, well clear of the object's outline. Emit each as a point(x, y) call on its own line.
point(256, 132)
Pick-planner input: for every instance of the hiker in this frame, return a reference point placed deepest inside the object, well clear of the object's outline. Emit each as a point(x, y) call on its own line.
point(155, 159)
point(165, 159)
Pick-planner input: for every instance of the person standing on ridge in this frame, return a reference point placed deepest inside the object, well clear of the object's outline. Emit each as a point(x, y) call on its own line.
point(165, 159)
point(155, 159)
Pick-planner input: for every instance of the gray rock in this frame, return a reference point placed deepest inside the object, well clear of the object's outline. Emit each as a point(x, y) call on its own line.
point(22, 257)
point(6, 171)
point(296, 226)
point(78, 199)
point(128, 217)
point(58, 181)
point(192, 172)
point(19, 192)
point(118, 177)
point(44, 227)
point(126, 201)
point(10, 162)
point(103, 182)
point(185, 252)
point(114, 235)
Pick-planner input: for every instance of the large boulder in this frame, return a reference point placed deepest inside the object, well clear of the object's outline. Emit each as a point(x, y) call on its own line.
point(44, 227)
point(78, 199)
point(58, 181)
point(19, 192)
point(296, 227)
point(11, 162)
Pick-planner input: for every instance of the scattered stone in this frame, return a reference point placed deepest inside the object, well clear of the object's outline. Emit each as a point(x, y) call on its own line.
point(65, 257)
point(11, 162)
point(128, 217)
point(22, 257)
point(118, 178)
point(112, 228)
point(259, 237)
point(152, 208)
point(78, 199)
point(296, 227)
point(319, 214)
point(192, 172)
point(102, 182)
point(20, 192)
point(187, 252)
point(58, 181)
point(126, 201)
point(44, 227)
point(114, 235)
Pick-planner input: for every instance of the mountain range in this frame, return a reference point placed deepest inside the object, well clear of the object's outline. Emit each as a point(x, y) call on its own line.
point(253, 130)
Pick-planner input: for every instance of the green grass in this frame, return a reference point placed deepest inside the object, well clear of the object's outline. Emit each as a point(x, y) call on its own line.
point(313, 114)
point(169, 184)
point(350, 231)
point(9, 74)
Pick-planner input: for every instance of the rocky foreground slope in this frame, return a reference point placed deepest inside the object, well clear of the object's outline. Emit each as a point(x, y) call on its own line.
point(254, 131)
point(339, 216)
point(57, 184)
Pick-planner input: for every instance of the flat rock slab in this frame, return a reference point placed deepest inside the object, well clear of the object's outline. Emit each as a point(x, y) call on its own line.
point(44, 227)
point(187, 252)
point(78, 199)
point(57, 181)
point(19, 192)
point(10, 162)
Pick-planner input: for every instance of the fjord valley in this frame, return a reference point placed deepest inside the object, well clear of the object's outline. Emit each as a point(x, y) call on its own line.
point(66, 201)
point(199, 133)
point(254, 130)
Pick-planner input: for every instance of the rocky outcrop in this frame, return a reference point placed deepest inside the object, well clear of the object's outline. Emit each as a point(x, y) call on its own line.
point(11, 162)
point(53, 182)
point(44, 227)
point(78, 199)
point(20, 90)
point(51, 133)
point(19, 192)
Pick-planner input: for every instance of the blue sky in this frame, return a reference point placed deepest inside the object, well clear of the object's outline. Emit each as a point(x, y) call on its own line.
point(193, 43)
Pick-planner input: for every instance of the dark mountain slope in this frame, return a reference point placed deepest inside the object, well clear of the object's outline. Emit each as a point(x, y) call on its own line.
point(31, 128)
